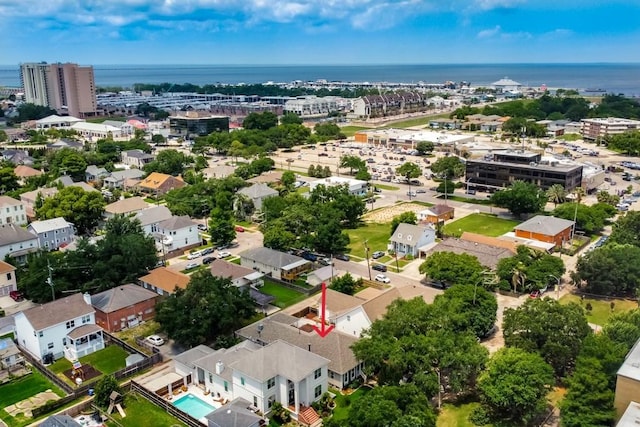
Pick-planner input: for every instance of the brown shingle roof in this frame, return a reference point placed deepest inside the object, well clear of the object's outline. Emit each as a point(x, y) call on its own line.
point(377, 307)
point(23, 171)
point(488, 255)
point(83, 330)
point(441, 209)
point(6, 267)
point(166, 279)
point(225, 269)
point(155, 180)
point(58, 311)
point(120, 297)
point(338, 303)
point(124, 206)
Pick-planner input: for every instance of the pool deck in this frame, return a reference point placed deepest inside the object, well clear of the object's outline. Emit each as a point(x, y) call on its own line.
point(199, 393)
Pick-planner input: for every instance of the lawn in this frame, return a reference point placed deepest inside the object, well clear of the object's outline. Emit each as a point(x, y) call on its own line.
point(463, 199)
point(456, 415)
point(142, 413)
point(418, 121)
point(343, 402)
point(601, 309)
point(351, 130)
point(21, 389)
point(376, 235)
point(487, 225)
point(284, 296)
point(110, 359)
point(386, 187)
point(145, 329)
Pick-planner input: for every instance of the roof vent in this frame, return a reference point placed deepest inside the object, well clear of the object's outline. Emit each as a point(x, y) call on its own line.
point(408, 237)
point(399, 235)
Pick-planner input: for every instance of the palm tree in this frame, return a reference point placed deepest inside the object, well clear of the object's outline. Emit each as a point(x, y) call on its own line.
point(241, 205)
point(519, 277)
point(556, 194)
point(579, 194)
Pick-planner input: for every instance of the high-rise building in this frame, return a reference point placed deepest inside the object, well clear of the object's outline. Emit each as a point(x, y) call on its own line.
point(67, 88)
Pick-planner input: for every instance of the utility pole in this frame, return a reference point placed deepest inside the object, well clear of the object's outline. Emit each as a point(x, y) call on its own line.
point(50, 281)
point(366, 251)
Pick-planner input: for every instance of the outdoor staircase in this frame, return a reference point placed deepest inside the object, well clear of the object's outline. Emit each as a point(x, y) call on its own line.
point(309, 417)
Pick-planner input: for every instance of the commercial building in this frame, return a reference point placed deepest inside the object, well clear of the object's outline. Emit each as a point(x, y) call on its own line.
point(67, 88)
point(628, 381)
point(502, 169)
point(593, 129)
point(356, 187)
point(408, 139)
point(192, 125)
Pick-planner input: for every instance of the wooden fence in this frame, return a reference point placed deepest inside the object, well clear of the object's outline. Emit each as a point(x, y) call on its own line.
point(165, 405)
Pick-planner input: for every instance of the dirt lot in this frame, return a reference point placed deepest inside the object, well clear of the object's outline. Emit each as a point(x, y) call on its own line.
point(386, 214)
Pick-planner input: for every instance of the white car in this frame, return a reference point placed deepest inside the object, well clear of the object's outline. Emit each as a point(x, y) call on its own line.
point(155, 340)
point(224, 254)
point(194, 255)
point(382, 278)
point(192, 265)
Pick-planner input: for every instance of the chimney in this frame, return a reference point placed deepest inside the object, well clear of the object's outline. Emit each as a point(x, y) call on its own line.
point(219, 367)
point(87, 298)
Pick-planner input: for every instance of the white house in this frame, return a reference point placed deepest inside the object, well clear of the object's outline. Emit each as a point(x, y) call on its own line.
point(151, 218)
point(29, 198)
point(96, 130)
point(356, 186)
point(278, 372)
point(257, 193)
point(409, 238)
point(12, 211)
point(64, 327)
point(136, 158)
point(57, 122)
point(119, 179)
point(279, 265)
point(10, 355)
point(7, 279)
point(53, 233)
point(177, 232)
point(16, 242)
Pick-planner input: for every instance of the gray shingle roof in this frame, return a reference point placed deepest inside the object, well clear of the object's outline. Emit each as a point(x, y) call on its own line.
point(270, 257)
point(120, 297)
point(192, 355)
point(58, 311)
point(11, 233)
point(60, 420)
point(234, 414)
point(138, 154)
point(226, 356)
point(547, 225)
point(257, 191)
point(408, 234)
point(336, 346)
point(126, 174)
point(279, 358)
point(153, 215)
point(177, 222)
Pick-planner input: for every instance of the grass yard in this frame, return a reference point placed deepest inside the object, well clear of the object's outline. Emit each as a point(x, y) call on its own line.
point(142, 413)
point(456, 415)
point(21, 389)
point(145, 329)
point(418, 121)
point(284, 296)
point(377, 236)
point(343, 402)
point(471, 200)
point(386, 187)
point(487, 225)
point(601, 309)
point(110, 359)
point(351, 130)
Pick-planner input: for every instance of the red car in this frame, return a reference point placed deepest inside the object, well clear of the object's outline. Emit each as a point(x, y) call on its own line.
point(239, 229)
point(535, 294)
point(16, 295)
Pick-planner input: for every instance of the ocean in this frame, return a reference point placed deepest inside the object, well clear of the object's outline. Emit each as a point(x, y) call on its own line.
point(612, 78)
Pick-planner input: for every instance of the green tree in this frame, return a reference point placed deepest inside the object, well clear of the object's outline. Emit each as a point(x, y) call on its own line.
point(277, 237)
point(424, 147)
point(221, 227)
point(626, 230)
point(345, 284)
point(170, 162)
point(534, 268)
point(8, 180)
point(82, 208)
point(260, 121)
point(513, 389)
point(448, 167)
point(352, 162)
point(622, 264)
point(326, 131)
point(3, 136)
point(290, 119)
point(103, 389)
point(452, 268)
point(590, 219)
point(329, 237)
point(158, 139)
point(409, 171)
point(209, 307)
point(68, 162)
point(627, 142)
point(468, 308)
point(556, 194)
point(553, 330)
point(408, 217)
point(29, 111)
point(288, 180)
point(520, 198)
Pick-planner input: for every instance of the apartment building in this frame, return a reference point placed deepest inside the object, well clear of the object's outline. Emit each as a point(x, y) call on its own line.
point(599, 128)
point(68, 88)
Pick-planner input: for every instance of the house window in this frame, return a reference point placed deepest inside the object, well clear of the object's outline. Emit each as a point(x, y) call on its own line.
point(271, 400)
point(40, 334)
point(210, 378)
point(50, 345)
point(226, 386)
point(242, 380)
point(317, 391)
point(271, 382)
point(86, 319)
point(71, 324)
point(8, 276)
point(318, 373)
point(64, 341)
point(45, 234)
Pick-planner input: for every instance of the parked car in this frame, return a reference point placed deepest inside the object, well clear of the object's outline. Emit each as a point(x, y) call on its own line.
point(239, 229)
point(438, 284)
point(379, 267)
point(208, 260)
point(207, 251)
point(382, 278)
point(325, 261)
point(412, 193)
point(192, 265)
point(421, 191)
point(194, 255)
point(309, 256)
point(17, 296)
point(155, 340)
point(202, 227)
point(224, 254)
point(377, 254)
point(535, 294)
point(342, 257)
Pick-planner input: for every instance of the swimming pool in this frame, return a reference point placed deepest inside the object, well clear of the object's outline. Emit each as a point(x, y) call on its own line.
point(193, 406)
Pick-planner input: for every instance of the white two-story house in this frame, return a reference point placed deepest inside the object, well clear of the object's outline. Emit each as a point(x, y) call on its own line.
point(151, 218)
point(12, 211)
point(409, 239)
point(278, 372)
point(53, 233)
point(177, 232)
point(16, 242)
point(7, 279)
point(62, 328)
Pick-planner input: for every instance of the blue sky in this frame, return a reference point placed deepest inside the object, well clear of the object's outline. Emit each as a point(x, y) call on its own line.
point(319, 31)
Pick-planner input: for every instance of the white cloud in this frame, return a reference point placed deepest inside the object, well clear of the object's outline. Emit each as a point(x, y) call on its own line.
point(491, 32)
point(494, 4)
point(497, 32)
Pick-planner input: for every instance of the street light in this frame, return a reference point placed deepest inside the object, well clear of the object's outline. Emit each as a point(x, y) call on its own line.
point(366, 251)
point(557, 285)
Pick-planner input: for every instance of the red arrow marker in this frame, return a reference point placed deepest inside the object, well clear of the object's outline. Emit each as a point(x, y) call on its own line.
point(324, 330)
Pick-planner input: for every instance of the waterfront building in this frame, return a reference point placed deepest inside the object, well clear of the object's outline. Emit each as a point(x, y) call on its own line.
point(313, 106)
point(502, 169)
point(506, 85)
point(68, 88)
point(593, 129)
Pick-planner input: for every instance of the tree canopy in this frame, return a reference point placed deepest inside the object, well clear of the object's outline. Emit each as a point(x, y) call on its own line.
point(452, 268)
point(626, 230)
point(207, 309)
point(346, 284)
point(409, 170)
point(408, 217)
point(529, 270)
point(553, 330)
point(260, 121)
point(170, 162)
point(520, 198)
point(468, 308)
point(621, 262)
point(448, 167)
point(82, 208)
point(590, 219)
